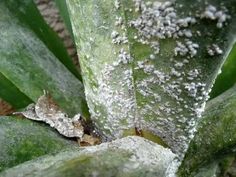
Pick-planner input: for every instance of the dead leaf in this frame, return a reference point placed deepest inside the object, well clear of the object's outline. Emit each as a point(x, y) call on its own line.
point(46, 110)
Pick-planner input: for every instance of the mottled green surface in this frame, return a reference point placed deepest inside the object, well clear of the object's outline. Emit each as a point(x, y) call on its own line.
point(216, 133)
point(31, 67)
point(114, 90)
point(225, 164)
point(22, 140)
point(211, 170)
point(105, 160)
point(215, 168)
point(101, 164)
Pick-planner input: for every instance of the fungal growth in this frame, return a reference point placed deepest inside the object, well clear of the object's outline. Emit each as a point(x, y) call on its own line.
point(148, 65)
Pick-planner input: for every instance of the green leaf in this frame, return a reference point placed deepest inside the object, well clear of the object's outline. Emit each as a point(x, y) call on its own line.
point(65, 15)
point(215, 168)
point(28, 64)
point(226, 163)
point(210, 170)
point(135, 69)
point(28, 13)
point(22, 140)
point(114, 159)
point(227, 77)
point(10, 93)
point(216, 133)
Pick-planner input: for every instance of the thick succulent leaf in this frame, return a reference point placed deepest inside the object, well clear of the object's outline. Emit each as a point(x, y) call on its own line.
point(28, 13)
point(211, 170)
point(227, 77)
point(215, 168)
point(226, 164)
point(62, 6)
point(22, 140)
point(131, 156)
point(150, 64)
point(231, 169)
point(9, 92)
point(32, 68)
point(216, 133)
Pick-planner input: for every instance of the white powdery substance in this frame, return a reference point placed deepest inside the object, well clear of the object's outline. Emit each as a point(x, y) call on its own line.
point(118, 39)
point(173, 116)
point(188, 48)
point(214, 49)
point(112, 103)
point(160, 20)
point(174, 97)
point(117, 4)
point(212, 13)
point(165, 100)
point(114, 96)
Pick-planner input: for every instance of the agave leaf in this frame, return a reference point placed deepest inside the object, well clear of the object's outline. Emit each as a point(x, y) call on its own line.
point(28, 13)
point(9, 92)
point(211, 170)
point(226, 163)
point(28, 64)
point(130, 156)
point(216, 133)
point(149, 65)
point(230, 168)
point(227, 77)
point(215, 168)
point(65, 15)
point(22, 140)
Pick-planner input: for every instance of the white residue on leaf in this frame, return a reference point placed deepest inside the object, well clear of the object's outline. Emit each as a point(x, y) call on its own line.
point(188, 48)
point(145, 91)
point(214, 49)
point(124, 57)
point(117, 4)
point(193, 74)
point(115, 95)
point(159, 20)
point(212, 13)
point(118, 39)
point(119, 21)
point(179, 87)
